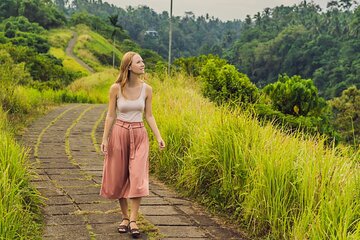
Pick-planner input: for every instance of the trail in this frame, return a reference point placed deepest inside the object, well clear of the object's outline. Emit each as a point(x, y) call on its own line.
point(69, 51)
point(65, 153)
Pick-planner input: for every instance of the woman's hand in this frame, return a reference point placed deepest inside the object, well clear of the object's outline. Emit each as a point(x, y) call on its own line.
point(104, 146)
point(161, 143)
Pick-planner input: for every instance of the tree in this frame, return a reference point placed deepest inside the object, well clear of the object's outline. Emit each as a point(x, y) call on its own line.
point(114, 22)
point(355, 24)
point(347, 114)
point(224, 84)
point(42, 12)
point(294, 96)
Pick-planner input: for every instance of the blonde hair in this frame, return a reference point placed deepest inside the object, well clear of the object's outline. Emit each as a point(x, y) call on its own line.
point(124, 75)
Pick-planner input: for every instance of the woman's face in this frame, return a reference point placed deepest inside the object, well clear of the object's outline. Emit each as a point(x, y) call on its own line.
point(137, 65)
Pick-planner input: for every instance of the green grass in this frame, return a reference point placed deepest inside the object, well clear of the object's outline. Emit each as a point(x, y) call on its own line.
point(92, 46)
point(68, 62)
point(95, 86)
point(59, 37)
point(276, 185)
point(19, 203)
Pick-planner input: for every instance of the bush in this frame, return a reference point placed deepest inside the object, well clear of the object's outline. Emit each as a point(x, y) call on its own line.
point(223, 84)
point(295, 96)
point(309, 124)
point(347, 115)
point(11, 74)
point(193, 65)
point(22, 24)
point(21, 32)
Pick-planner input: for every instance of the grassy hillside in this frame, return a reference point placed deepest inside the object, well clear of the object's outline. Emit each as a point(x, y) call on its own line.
point(94, 49)
point(275, 185)
point(59, 39)
point(95, 86)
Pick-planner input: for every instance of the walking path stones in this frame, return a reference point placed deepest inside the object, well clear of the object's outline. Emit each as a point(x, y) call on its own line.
point(65, 154)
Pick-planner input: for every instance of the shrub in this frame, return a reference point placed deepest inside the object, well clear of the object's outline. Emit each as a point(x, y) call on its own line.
point(193, 65)
point(224, 84)
point(10, 75)
point(295, 96)
point(347, 114)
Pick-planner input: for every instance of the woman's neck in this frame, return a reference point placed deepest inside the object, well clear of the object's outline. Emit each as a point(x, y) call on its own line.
point(134, 80)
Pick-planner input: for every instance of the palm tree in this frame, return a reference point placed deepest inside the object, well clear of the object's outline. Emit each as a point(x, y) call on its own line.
point(114, 22)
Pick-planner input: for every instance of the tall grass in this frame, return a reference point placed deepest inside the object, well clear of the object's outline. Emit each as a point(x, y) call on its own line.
point(59, 37)
point(95, 86)
point(27, 99)
point(277, 185)
point(68, 62)
point(92, 48)
point(19, 201)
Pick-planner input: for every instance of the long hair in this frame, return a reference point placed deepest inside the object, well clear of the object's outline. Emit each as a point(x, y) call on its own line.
point(124, 69)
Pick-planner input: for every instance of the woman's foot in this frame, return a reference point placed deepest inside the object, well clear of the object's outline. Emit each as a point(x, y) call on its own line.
point(134, 230)
point(124, 225)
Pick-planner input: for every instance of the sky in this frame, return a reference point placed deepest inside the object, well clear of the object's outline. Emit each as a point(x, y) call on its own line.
point(222, 9)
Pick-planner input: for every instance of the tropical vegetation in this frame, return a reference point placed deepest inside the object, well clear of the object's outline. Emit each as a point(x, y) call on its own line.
point(261, 116)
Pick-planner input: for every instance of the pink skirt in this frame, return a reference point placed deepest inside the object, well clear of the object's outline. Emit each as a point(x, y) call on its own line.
point(126, 165)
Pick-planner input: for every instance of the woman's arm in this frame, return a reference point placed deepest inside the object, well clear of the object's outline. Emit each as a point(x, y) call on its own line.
point(150, 118)
point(110, 116)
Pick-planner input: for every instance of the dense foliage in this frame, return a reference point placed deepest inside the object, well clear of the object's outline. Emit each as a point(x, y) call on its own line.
point(11, 74)
point(43, 12)
point(45, 70)
point(224, 84)
point(294, 40)
point(191, 35)
point(347, 112)
point(302, 40)
point(21, 32)
point(295, 96)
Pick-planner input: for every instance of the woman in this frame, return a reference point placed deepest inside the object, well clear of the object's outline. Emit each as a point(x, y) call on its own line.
point(126, 148)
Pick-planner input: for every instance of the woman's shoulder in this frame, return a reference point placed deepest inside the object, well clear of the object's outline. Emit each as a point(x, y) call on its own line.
point(115, 86)
point(147, 86)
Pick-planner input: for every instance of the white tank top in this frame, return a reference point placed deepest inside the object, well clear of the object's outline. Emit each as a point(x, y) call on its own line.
point(131, 110)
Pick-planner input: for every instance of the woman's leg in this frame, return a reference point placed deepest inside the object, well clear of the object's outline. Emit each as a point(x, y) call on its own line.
point(134, 208)
point(124, 207)
point(123, 227)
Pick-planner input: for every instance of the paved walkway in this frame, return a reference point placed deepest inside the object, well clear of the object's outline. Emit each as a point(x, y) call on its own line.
point(66, 156)
point(69, 51)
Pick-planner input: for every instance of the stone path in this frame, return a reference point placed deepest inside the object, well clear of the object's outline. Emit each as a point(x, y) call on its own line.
point(65, 152)
point(69, 51)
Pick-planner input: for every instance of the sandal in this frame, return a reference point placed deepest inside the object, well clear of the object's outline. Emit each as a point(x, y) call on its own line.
point(135, 233)
point(123, 228)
